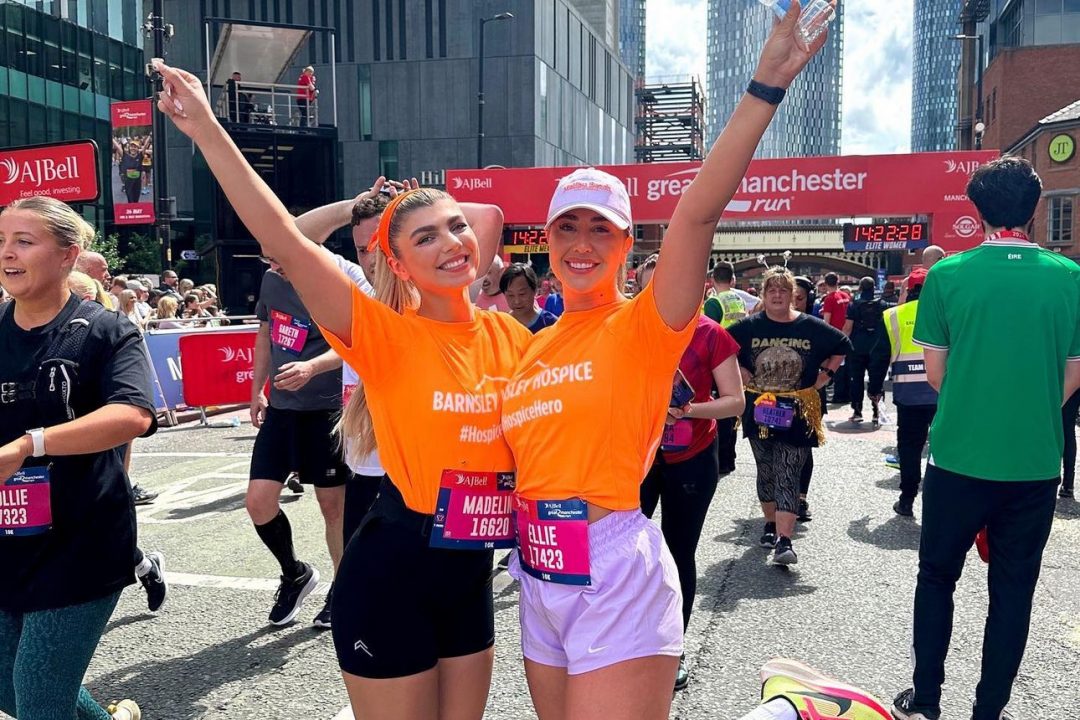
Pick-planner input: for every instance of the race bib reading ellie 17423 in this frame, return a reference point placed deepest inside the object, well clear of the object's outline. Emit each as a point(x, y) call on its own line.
point(553, 539)
point(25, 503)
point(474, 511)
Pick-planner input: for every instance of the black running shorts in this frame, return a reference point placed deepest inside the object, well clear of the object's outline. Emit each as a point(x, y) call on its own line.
point(400, 605)
point(300, 441)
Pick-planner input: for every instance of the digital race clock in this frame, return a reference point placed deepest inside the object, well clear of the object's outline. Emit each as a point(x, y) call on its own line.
point(886, 236)
point(525, 240)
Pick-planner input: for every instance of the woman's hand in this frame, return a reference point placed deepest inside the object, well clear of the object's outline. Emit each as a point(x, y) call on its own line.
point(184, 102)
point(784, 56)
point(13, 455)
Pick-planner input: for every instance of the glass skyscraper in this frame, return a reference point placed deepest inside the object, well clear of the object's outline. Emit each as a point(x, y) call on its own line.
point(632, 35)
point(61, 68)
point(808, 121)
point(935, 64)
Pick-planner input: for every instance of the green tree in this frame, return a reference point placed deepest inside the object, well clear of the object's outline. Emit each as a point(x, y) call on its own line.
point(143, 255)
point(109, 247)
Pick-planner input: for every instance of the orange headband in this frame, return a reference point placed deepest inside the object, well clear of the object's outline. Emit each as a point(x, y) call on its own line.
point(381, 238)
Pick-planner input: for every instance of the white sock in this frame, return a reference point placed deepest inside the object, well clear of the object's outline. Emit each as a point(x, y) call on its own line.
point(144, 567)
point(775, 709)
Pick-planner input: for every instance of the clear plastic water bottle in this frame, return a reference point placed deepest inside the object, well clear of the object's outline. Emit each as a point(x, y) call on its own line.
point(813, 20)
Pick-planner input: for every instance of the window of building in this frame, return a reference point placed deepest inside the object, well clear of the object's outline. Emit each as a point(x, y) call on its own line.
point(1059, 228)
point(388, 158)
point(364, 73)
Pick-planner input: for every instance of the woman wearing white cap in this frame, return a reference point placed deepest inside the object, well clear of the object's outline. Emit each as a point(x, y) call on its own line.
point(601, 614)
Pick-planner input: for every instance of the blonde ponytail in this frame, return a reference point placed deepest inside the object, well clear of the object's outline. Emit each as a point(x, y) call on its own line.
point(399, 295)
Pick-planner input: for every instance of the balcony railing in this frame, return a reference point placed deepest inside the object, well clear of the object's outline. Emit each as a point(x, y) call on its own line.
point(265, 104)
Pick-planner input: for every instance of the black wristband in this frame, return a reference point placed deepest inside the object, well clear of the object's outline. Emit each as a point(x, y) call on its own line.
point(768, 93)
point(827, 371)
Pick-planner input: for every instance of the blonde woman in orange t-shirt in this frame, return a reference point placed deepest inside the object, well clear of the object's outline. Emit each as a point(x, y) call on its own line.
point(601, 615)
point(412, 611)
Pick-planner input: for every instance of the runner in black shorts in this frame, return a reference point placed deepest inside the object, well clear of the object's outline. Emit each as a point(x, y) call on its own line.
point(295, 434)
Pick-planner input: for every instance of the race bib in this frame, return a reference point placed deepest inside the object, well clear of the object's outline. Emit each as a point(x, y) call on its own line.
point(25, 503)
point(134, 174)
point(289, 333)
point(553, 539)
point(677, 437)
point(774, 412)
point(474, 511)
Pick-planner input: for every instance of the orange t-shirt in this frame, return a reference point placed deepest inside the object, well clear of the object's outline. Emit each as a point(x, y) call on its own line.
point(585, 410)
point(434, 391)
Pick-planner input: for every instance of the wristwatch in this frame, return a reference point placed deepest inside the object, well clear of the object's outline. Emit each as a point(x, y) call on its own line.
point(827, 371)
point(768, 93)
point(37, 437)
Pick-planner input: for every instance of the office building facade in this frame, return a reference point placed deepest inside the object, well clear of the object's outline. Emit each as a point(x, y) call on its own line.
point(61, 65)
point(935, 65)
point(1026, 23)
point(808, 121)
point(632, 35)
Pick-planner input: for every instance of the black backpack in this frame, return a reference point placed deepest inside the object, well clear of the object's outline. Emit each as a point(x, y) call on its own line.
point(867, 315)
point(58, 374)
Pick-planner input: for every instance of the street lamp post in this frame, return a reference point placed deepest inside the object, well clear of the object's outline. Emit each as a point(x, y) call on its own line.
point(978, 88)
point(480, 94)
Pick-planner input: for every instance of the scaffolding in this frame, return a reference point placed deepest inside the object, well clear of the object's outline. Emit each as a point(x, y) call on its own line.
point(670, 120)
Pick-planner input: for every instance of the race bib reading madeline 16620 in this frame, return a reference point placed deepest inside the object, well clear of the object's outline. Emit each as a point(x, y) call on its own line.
point(473, 511)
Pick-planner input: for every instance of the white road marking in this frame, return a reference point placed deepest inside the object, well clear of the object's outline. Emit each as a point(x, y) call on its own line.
point(190, 455)
point(232, 583)
point(345, 714)
point(176, 496)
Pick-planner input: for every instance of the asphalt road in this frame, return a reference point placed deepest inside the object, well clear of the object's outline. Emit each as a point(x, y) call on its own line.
point(845, 607)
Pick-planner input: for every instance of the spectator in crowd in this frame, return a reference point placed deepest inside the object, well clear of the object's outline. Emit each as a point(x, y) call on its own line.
point(305, 95)
point(491, 297)
point(519, 284)
point(166, 313)
point(931, 255)
point(184, 287)
point(142, 295)
point(127, 308)
point(118, 285)
point(169, 281)
point(554, 302)
point(239, 103)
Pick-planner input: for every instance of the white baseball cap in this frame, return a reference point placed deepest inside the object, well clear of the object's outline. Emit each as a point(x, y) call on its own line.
point(594, 190)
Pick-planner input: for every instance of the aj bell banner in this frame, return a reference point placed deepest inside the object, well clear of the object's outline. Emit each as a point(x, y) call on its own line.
point(66, 171)
point(919, 184)
point(132, 162)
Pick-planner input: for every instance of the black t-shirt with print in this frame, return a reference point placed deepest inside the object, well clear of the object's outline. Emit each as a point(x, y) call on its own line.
point(784, 357)
point(89, 551)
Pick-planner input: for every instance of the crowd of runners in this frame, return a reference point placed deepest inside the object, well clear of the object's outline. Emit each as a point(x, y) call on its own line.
point(435, 432)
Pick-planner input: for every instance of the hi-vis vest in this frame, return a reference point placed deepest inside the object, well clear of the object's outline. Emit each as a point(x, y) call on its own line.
point(733, 306)
point(910, 386)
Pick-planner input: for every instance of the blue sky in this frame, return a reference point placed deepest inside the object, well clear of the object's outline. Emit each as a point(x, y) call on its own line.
point(877, 64)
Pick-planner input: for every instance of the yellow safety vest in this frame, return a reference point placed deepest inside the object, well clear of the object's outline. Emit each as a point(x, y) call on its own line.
point(733, 306)
point(910, 386)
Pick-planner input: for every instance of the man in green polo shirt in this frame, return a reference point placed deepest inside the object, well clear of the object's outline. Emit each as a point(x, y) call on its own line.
point(1003, 371)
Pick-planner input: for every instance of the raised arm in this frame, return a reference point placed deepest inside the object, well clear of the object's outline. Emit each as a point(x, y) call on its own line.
point(685, 251)
point(325, 289)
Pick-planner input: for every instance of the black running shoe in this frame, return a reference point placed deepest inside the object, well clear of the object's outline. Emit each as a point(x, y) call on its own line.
point(783, 553)
point(903, 708)
point(291, 594)
point(856, 417)
point(153, 582)
point(1066, 492)
point(804, 512)
point(768, 537)
point(682, 675)
point(293, 483)
point(904, 507)
point(142, 497)
point(322, 620)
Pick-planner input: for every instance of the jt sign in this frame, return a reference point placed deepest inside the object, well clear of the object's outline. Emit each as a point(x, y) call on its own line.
point(65, 171)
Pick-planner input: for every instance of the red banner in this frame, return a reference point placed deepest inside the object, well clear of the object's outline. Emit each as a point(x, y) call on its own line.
point(218, 367)
point(65, 171)
point(930, 184)
point(132, 163)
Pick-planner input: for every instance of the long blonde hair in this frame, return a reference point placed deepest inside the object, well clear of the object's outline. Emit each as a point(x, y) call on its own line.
point(399, 295)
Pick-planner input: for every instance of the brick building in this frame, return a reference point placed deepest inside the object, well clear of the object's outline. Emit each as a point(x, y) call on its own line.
point(1052, 147)
point(1025, 84)
point(1031, 103)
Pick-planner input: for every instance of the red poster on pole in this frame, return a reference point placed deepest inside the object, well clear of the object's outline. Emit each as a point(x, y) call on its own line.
point(66, 171)
point(218, 367)
point(132, 162)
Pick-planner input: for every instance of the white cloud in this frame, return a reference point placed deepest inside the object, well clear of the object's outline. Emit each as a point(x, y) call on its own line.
point(877, 65)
